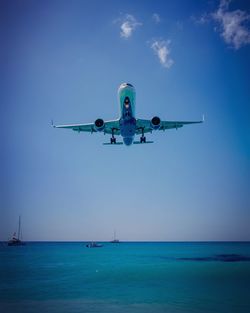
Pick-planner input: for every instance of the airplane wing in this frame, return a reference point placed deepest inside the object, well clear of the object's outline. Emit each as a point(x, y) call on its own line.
point(145, 126)
point(109, 126)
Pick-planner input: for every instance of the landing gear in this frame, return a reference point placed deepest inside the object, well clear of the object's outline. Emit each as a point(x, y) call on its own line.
point(143, 138)
point(113, 139)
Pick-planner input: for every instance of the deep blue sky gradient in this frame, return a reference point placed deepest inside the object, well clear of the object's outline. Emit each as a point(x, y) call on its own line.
point(65, 60)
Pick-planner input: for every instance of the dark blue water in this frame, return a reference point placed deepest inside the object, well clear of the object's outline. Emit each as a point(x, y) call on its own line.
point(125, 277)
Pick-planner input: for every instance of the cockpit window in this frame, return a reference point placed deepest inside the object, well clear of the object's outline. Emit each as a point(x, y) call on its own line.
point(128, 84)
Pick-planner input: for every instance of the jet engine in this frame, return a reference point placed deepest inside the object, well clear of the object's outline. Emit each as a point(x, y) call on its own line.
point(99, 124)
point(155, 122)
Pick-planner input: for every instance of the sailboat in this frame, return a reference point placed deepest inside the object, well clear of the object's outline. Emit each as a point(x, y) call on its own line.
point(94, 245)
point(115, 240)
point(16, 240)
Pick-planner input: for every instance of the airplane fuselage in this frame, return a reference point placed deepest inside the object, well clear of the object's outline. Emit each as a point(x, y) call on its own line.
point(127, 121)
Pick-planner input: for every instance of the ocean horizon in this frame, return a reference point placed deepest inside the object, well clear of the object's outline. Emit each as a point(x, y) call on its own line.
point(132, 241)
point(134, 276)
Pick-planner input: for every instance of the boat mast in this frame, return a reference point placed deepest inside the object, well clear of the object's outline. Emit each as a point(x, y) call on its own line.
point(19, 227)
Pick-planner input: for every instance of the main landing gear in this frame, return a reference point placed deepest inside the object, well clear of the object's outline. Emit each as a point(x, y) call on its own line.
point(143, 138)
point(113, 139)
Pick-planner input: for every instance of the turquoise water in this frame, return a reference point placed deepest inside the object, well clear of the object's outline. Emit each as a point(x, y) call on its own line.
point(125, 277)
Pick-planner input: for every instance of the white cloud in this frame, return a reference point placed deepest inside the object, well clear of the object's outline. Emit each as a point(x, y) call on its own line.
point(201, 20)
point(161, 49)
point(232, 25)
point(129, 24)
point(156, 18)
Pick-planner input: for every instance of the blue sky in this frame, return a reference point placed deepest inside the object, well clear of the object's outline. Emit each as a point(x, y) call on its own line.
point(65, 60)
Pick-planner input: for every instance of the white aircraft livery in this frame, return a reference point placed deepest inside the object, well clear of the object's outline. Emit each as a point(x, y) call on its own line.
point(127, 125)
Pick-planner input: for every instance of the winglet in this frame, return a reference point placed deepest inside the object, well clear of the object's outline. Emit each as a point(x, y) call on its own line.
point(203, 118)
point(52, 123)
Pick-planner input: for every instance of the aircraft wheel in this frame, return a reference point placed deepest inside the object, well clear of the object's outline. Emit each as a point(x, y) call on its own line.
point(143, 139)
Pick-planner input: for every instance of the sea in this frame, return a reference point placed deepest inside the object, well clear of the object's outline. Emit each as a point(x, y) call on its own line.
point(157, 277)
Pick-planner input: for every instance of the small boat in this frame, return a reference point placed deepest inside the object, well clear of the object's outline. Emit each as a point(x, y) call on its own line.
point(115, 240)
point(94, 245)
point(15, 240)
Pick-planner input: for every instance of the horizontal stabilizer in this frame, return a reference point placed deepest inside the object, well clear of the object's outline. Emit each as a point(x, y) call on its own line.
point(112, 144)
point(139, 143)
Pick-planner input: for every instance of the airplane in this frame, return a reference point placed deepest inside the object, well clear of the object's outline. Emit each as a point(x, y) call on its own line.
point(127, 125)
